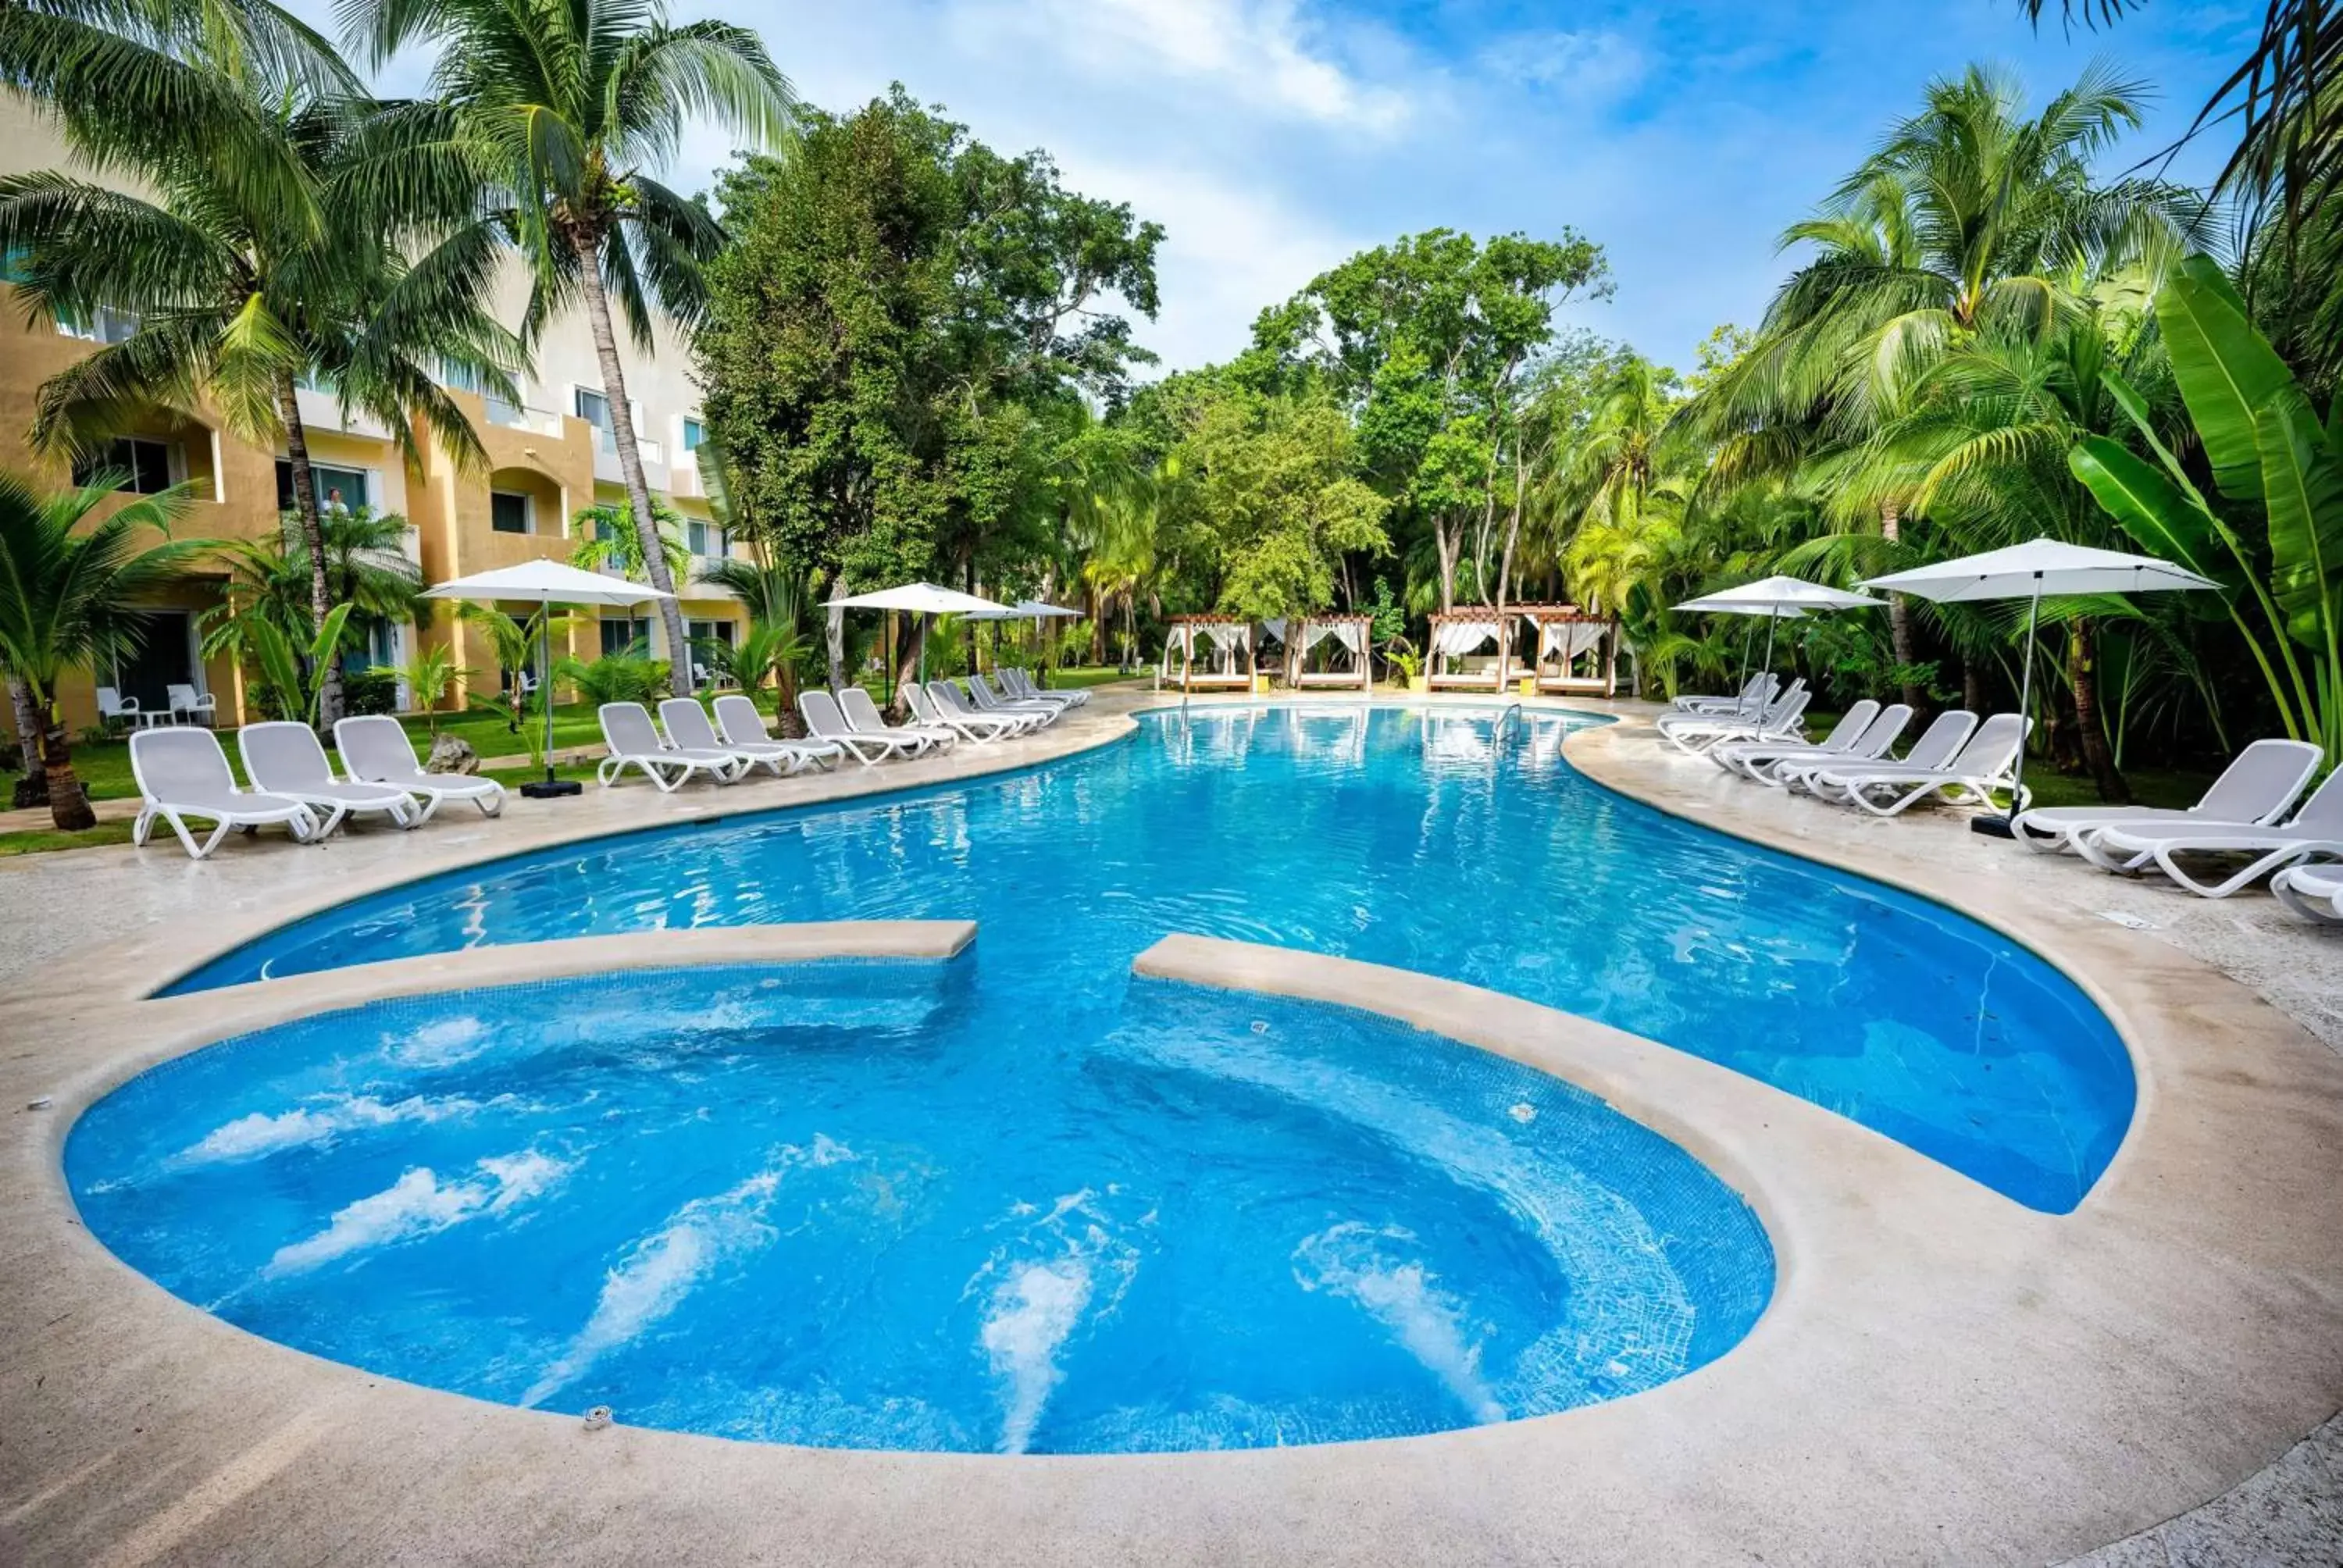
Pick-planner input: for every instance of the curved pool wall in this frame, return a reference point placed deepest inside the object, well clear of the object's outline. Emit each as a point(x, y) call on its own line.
point(1455, 843)
point(872, 1205)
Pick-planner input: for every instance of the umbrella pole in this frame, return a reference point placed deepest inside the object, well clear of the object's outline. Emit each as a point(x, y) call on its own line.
point(548, 786)
point(1999, 827)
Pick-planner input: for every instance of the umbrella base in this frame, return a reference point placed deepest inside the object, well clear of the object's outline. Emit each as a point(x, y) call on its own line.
point(547, 789)
point(1992, 826)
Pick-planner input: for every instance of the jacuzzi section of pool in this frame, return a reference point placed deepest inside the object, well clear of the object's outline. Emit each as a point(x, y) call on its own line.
point(1454, 843)
point(870, 1205)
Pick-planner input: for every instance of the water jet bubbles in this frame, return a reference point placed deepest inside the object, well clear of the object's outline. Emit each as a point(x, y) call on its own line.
point(1261, 1026)
point(1522, 1112)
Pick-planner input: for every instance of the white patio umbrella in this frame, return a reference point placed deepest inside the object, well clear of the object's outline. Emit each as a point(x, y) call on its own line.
point(1032, 609)
point(2028, 571)
point(1777, 598)
point(919, 599)
point(547, 583)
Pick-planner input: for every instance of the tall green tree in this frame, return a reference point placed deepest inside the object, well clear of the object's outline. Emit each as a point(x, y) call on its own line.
point(895, 338)
point(564, 107)
point(75, 586)
point(1429, 339)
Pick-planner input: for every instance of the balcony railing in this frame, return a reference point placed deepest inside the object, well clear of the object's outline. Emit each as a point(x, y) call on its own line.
point(520, 417)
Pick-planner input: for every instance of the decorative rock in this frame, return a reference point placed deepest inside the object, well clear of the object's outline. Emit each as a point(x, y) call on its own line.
point(452, 754)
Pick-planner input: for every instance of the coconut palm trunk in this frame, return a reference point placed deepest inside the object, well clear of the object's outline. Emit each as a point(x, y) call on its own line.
point(69, 806)
point(2090, 733)
point(313, 540)
point(589, 246)
point(1899, 615)
point(31, 789)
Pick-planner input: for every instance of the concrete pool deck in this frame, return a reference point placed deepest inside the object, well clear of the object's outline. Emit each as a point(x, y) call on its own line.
point(1944, 1375)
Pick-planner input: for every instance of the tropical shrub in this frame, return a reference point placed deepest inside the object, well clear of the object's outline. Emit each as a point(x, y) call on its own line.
point(2274, 536)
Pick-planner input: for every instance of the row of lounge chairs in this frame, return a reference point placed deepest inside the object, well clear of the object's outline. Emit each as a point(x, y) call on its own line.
point(183, 773)
point(2243, 815)
point(184, 777)
point(840, 724)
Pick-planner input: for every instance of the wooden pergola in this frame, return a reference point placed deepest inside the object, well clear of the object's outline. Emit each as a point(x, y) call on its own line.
point(1353, 633)
point(1565, 636)
point(1226, 662)
point(1461, 633)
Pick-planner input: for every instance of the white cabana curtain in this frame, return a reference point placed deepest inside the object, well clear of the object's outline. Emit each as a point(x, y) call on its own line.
point(1275, 628)
point(1569, 639)
point(1457, 638)
point(1346, 633)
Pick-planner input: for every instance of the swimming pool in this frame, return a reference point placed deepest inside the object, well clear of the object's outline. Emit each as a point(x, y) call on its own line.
point(1454, 842)
point(874, 1205)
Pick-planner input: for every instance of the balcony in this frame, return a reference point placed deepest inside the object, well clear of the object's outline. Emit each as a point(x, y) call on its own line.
point(321, 409)
point(683, 477)
point(605, 461)
point(520, 417)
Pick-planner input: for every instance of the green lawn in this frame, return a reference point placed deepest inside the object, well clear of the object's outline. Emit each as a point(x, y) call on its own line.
point(37, 842)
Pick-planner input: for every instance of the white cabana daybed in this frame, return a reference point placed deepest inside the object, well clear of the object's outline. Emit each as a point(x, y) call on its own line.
point(1463, 635)
point(1577, 651)
point(1207, 653)
point(1351, 662)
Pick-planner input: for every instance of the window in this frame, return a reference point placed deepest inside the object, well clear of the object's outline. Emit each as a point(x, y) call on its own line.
point(595, 409)
point(707, 539)
point(355, 490)
point(619, 636)
point(109, 326)
point(146, 465)
point(704, 631)
point(462, 377)
point(508, 513)
point(695, 434)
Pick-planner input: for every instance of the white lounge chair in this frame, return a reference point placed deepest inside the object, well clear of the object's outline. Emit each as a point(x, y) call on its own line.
point(827, 722)
point(689, 729)
point(743, 729)
point(1937, 745)
point(626, 731)
point(986, 729)
point(183, 773)
point(1986, 762)
point(949, 697)
point(1782, 719)
point(374, 750)
point(1020, 682)
point(1877, 739)
point(1013, 687)
point(2265, 779)
point(863, 716)
point(2315, 832)
point(988, 701)
point(1732, 755)
point(1758, 689)
point(285, 757)
point(2314, 892)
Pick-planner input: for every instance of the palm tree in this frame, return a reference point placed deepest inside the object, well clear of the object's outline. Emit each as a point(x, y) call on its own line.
point(366, 567)
point(275, 251)
point(780, 635)
point(1972, 220)
point(560, 105)
point(608, 540)
point(70, 599)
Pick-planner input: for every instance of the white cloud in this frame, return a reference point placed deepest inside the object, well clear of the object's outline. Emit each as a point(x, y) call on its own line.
point(1259, 52)
point(1231, 247)
point(1586, 68)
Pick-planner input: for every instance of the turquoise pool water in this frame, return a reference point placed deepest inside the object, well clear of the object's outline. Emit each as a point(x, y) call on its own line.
point(882, 1205)
point(1455, 843)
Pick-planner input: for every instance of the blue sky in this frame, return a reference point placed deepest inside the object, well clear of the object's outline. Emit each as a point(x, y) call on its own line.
point(1273, 137)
